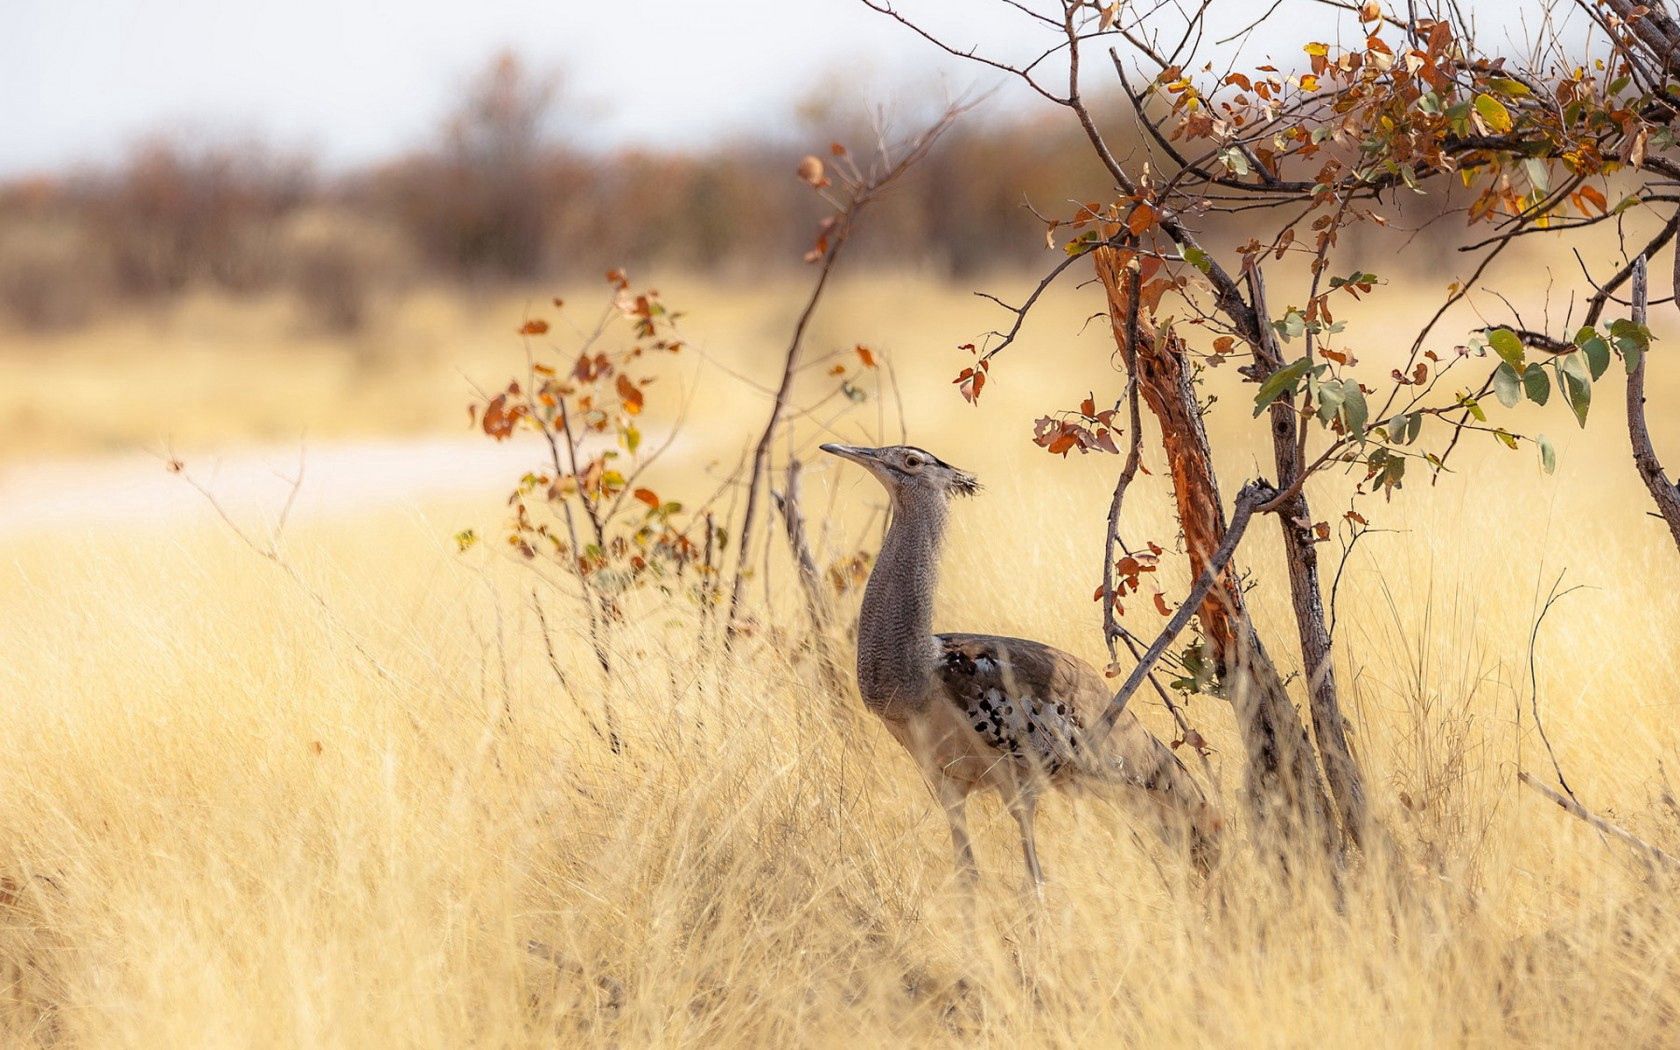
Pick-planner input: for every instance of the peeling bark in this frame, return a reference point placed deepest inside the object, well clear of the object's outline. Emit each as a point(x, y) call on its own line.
point(1283, 777)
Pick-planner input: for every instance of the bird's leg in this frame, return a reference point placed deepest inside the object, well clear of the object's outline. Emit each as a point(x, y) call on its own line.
point(1023, 804)
point(955, 800)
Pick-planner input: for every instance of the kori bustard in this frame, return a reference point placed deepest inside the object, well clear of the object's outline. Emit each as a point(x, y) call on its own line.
point(982, 711)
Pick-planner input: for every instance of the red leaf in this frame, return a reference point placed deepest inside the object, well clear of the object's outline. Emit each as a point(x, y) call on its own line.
point(1161, 605)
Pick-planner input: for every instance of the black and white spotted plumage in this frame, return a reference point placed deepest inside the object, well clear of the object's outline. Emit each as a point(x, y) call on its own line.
point(1009, 691)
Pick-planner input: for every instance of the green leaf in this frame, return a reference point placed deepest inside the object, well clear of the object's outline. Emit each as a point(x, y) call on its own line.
point(1537, 385)
point(1198, 258)
point(1292, 325)
point(1493, 113)
point(1548, 454)
point(1330, 397)
point(1507, 86)
point(1597, 350)
point(1577, 386)
point(1506, 344)
point(1597, 355)
point(1506, 439)
point(1506, 385)
point(1354, 410)
point(1403, 429)
point(1632, 340)
point(1280, 383)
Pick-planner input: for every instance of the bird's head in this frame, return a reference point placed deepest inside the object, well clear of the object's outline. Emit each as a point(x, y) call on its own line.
point(906, 470)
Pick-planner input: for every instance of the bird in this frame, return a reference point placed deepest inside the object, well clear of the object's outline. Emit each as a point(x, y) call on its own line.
point(985, 711)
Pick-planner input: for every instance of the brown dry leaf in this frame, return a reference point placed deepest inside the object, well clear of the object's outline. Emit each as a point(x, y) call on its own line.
point(499, 419)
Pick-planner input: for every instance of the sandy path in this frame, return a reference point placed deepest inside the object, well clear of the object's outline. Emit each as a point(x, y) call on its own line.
point(339, 478)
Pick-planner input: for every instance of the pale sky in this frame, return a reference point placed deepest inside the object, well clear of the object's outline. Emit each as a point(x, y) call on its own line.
point(355, 80)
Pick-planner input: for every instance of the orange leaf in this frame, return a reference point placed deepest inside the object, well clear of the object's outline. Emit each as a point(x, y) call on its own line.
point(647, 496)
point(866, 355)
point(630, 394)
point(535, 326)
point(1161, 605)
point(1142, 218)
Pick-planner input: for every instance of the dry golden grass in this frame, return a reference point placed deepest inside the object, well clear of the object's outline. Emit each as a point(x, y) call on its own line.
point(222, 824)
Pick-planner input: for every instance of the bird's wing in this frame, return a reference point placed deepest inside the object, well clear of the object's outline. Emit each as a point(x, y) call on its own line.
point(1018, 695)
point(1034, 701)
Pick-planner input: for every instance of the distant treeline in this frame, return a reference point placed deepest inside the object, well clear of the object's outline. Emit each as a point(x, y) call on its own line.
point(500, 196)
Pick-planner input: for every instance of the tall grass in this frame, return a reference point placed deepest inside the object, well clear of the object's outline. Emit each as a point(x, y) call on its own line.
point(220, 824)
point(232, 814)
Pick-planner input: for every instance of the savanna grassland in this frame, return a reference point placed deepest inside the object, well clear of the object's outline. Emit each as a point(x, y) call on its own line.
point(343, 799)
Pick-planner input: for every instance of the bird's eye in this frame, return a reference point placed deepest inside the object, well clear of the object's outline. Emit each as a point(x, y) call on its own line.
point(912, 461)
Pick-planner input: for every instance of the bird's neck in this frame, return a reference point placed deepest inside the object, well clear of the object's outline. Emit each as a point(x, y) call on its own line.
point(896, 649)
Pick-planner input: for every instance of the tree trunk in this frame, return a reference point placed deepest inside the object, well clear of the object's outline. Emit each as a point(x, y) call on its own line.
point(1664, 494)
point(1283, 778)
point(1341, 768)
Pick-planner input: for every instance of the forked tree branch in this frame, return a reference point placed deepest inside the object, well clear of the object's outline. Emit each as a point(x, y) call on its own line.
point(1254, 496)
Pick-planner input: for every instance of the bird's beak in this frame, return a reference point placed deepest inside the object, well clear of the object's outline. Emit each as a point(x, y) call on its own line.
point(865, 456)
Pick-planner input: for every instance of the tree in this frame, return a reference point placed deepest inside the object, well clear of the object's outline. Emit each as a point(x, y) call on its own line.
point(1235, 174)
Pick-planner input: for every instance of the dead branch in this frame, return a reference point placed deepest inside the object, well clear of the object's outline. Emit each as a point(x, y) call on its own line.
point(1651, 854)
point(1645, 460)
point(863, 192)
point(817, 607)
